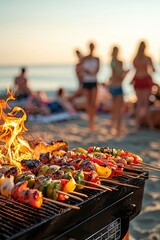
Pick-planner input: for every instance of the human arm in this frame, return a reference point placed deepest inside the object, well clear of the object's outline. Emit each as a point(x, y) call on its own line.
point(151, 64)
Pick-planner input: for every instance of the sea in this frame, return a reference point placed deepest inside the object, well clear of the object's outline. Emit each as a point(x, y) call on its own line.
point(49, 78)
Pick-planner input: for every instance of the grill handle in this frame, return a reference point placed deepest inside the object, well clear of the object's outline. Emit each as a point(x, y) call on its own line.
point(128, 210)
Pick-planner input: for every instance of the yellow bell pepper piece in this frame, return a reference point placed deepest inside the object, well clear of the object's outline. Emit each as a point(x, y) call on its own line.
point(103, 171)
point(81, 150)
point(70, 186)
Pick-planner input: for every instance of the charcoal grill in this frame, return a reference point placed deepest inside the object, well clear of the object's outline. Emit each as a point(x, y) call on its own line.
point(103, 215)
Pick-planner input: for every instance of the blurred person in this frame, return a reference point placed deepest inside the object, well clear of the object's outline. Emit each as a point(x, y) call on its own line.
point(143, 82)
point(79, 68)
point(63, 100)
point(79, 75)
point(36, 104)
point(115, 88)
point(90, 65)
point(20, 87)
point(104, 99)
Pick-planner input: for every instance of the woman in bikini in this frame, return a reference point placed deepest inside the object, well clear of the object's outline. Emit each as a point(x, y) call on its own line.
point(142, 83)
point(90, 65)
point(115, 88)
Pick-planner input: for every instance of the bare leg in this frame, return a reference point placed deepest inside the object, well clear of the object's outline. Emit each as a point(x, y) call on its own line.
point(142, 109)
point(91, 95)
point(116, 119)
point(119, 113)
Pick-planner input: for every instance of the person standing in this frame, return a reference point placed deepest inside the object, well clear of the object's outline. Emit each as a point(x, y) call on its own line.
point(142, 82)
point(79, 75)
point(90, 66)
point(78, 67)
point(115, 88)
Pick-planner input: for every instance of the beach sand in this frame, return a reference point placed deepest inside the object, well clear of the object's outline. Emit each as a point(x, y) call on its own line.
point(146, 225)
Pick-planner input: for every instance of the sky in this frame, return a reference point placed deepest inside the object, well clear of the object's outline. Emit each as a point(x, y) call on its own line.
point(49, 31)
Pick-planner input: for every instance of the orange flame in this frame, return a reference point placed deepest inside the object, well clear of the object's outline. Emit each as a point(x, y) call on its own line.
point(13, 148)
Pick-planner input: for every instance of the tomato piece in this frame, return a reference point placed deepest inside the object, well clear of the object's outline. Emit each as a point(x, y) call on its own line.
point(91, 176)
point(90, 149)
point(62, 197)
point(17, 188)
point(98, 161)
point(32, 197)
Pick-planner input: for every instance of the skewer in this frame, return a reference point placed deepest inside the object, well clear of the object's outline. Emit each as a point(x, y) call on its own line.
point(119, 183)
point(61, 203)
point(70, 195)
point(92, 188)
point(142, 167)
point(99, 185)
point(125, 174)
point(133, 168)
point(150, 165)
point(132, 173)
point(153, 177)
point(152, 169)
point(79, 194)
point(145, 168)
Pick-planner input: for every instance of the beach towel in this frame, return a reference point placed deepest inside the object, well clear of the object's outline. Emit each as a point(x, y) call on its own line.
point(53, 117)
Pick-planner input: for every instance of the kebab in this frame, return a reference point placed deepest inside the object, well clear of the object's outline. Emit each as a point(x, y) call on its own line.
point(34, 197)
point(20, 191)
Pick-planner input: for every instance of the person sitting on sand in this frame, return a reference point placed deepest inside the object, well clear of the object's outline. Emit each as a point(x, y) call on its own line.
point(21, 88)
point(58, 104)
point(62, 99)
point(36, 104)
point(104, 99)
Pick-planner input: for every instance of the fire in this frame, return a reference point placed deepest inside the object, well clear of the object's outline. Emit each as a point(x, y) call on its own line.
point(13, 148)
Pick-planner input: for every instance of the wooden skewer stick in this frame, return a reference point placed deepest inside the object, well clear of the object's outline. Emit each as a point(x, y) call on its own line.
point(99, 185)
point(152, 177)
point(79, 194)
point(134, 168)
point(132, 173)
point(117, 182)
point(150, 165)
point(150, 168)
point(70, 195)
point(61, 203)
point(92, 188)
point(126, 174)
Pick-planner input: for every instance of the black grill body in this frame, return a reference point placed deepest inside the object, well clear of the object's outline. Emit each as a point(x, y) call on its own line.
point(103, 214)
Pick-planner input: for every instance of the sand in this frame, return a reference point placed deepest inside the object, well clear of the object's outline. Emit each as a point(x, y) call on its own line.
point(145, 143)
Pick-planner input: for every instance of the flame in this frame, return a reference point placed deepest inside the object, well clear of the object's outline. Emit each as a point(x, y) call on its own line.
point(13, 148)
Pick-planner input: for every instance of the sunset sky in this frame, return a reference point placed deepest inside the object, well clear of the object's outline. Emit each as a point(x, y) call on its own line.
point(48, 31)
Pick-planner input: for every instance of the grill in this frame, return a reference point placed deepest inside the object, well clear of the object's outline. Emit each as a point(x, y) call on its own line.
point(103, 215)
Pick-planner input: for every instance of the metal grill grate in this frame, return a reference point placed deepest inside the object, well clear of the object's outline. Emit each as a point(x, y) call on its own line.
point(109, 232)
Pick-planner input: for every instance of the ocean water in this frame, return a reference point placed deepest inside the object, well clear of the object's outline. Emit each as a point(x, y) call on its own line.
point(50, 77)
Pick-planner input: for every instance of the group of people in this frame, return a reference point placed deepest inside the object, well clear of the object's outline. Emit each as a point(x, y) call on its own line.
point(37, 102)
point(87, 69)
